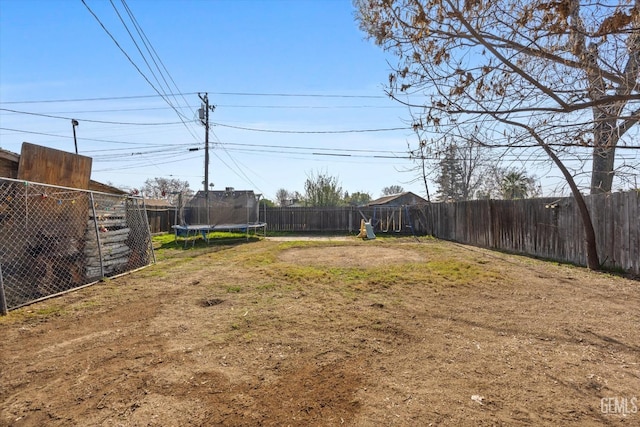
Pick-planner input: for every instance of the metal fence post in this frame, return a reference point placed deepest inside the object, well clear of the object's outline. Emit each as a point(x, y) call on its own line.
point(26, 205)
point(3, 299)
point(143, 214)
point(49, 246)
point(248, 219)
point(95, 224)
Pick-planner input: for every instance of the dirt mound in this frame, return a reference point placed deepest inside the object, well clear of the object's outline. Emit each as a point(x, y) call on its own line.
point(360, 256)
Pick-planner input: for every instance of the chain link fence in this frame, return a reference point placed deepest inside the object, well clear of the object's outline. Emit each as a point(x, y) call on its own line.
point(54, 239)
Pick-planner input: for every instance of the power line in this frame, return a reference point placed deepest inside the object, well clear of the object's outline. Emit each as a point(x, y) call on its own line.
point(140, 144)
point(295, 147)
point(268, 107)
point(144, 58)
point(112, 110)
point(121, 48)
point(240, 175)
point(139, 165)
point(299, 95)
point(312, 131)
point(154, 54)
point(106, 98)
point(116, 98)
point(404, 156)
point(51, 116)
point(136, 66)
point(121, 156)
point(310, 107)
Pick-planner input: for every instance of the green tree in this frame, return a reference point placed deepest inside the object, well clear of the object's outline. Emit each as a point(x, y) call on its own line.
point(392, 189)
point(449, 178)
point(358, 198)
point(505, 183)
point(559, 75)
point(322, 190)
point(268, 203)
point(460, 172)
point(517, 185)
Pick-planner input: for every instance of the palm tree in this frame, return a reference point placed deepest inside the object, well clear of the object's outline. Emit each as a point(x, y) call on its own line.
point(515, 185)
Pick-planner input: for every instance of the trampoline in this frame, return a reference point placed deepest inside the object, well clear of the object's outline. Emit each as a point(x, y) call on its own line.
point(187, 231)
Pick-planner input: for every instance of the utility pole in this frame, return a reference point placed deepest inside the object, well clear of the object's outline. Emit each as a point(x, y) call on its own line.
point(203, 113)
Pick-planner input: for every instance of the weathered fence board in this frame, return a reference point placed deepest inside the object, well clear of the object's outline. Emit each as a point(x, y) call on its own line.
point(161, 220)
point(311, 219)
point(546, 228)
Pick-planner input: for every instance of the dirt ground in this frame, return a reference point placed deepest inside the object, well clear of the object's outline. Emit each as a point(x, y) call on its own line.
point(390, 332)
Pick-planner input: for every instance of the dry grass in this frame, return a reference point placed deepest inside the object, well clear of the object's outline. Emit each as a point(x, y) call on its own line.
point(383, 332)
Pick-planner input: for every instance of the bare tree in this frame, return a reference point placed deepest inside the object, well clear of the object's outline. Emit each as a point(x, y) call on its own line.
point(552, 74)
point(285, 197)
point(282, 197)
point(166, 188)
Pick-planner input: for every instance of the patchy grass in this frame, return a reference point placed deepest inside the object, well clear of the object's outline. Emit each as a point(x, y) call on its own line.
point(35, 312)
point(385, 332)
point(166, 246)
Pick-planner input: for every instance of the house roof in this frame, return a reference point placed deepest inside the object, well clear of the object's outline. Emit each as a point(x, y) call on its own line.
point(9, 155)
point(225, 193)
point(104, 188)
point(158, 203)
point(390, 198)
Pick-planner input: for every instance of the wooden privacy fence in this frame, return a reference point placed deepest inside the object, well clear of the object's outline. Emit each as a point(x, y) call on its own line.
point(341, 219)
point(161, 218)
point(385, 219)
point(548, 228)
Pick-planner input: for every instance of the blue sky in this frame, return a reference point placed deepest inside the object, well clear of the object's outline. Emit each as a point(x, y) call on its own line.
point(298, 91)
point(240, 52)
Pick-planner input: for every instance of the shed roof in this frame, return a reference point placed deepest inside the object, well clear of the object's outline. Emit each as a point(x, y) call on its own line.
point(393, 197)
point(9, 155)
point(158, 203)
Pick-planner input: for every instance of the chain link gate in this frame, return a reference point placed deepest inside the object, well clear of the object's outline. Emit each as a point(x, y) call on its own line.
point(54, 239)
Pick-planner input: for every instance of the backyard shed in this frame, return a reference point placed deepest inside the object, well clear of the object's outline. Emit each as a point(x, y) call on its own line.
point(400, 199)
point(391, 213)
